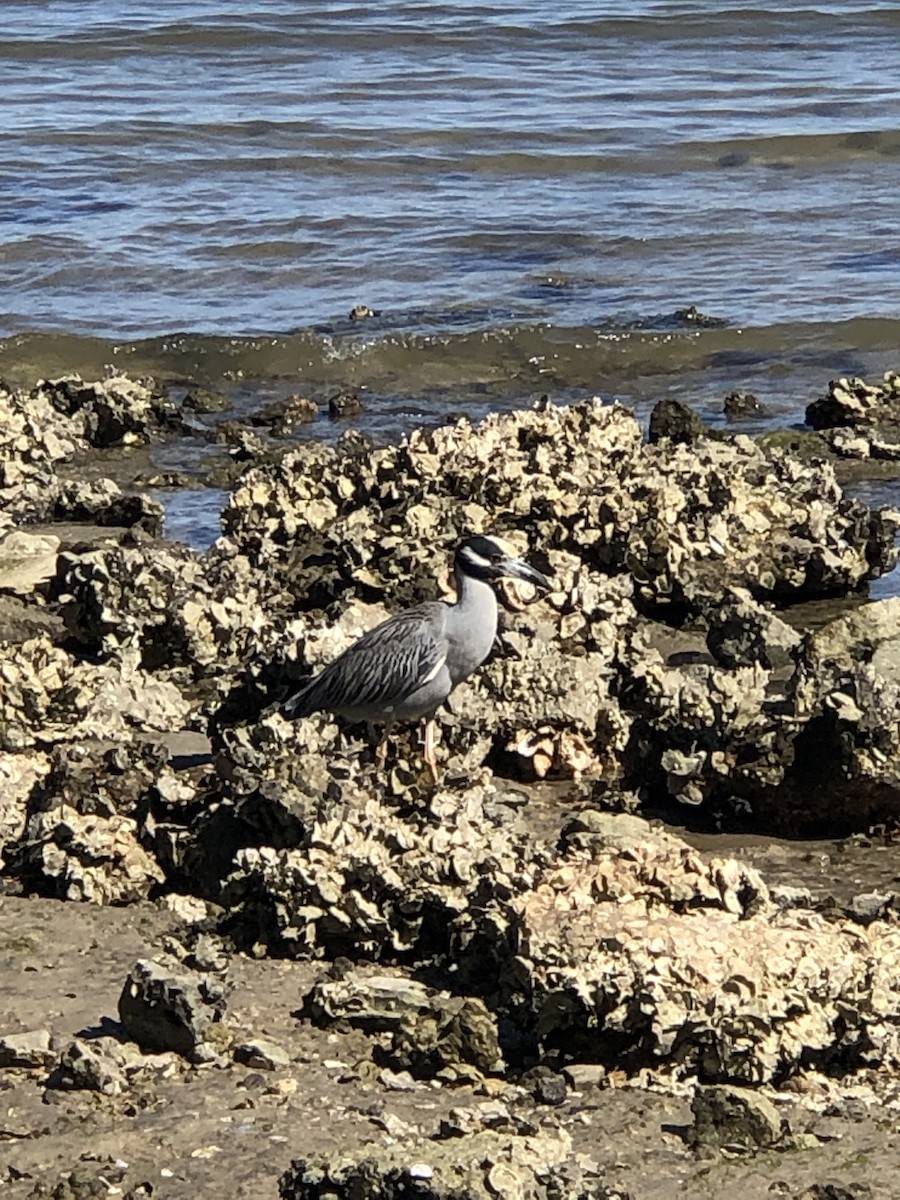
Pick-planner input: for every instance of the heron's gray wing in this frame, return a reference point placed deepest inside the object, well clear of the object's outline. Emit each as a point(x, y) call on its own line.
point(383, 668)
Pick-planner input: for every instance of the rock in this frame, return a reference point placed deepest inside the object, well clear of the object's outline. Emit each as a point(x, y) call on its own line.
point(843, 698)
point(488, 1114)
point(676, 422)
point(26, 559)
point(19, 777)
point(728, 990)
point(739, 404)
point(190, 909)
point(202, 400)
point(102, 502)
point(282, 416)
point(116, 411)
point(549, 1088)
point(732, 1116)
point(28, 1051)
point(262, 1054)
point(681, 519)
point(91, 858)
point(453, 1037)
point(85, 1067)
point(374, 1003)
point(854, 402)
point(163, 1008)
point(344, 890)
point(691, 315)
point(477, 1166)
point(742, 632)
point(344, 404)
point(867, 907)
point(585, 1077)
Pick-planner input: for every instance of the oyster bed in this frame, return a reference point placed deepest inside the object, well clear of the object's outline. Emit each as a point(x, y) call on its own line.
point(668, 671)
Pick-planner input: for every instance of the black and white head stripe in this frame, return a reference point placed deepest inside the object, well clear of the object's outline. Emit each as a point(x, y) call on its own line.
point(480, 557)
point(488, 558)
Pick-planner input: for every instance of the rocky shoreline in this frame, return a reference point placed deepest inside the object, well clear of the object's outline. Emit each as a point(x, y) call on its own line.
point(462, 946)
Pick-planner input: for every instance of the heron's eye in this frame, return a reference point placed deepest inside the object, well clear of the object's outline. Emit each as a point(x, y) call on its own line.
point(496, 558)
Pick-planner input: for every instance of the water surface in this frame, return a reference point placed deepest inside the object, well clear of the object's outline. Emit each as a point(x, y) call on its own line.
point(526, 193)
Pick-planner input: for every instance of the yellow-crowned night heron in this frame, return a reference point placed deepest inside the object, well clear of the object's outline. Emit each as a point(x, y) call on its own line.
point(403, 669)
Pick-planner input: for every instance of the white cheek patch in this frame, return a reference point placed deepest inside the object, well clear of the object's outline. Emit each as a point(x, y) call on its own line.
point(505, 547)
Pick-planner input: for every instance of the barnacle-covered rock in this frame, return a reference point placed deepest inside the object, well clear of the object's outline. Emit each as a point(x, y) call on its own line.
point(710, 730)
point(81, 833)
point(102, 502)
point(41, 430)
point(114, 411)
point(34, 438)
point(432, 489)
point(19, 775)
point(47, 696)
point(172, 605)
point(726, 514)
point(855, 402)
point(74, 857)
point(858, 420)
point(683, 520)
point(367, 880)
point(650, 954)
point(540, 1165)
point(844, 699)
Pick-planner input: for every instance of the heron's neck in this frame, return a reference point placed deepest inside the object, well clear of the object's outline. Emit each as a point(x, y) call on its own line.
point(476, 598)
point(473, 626)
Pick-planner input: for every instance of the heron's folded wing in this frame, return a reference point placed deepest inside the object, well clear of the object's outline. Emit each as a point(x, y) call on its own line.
point(383, 668)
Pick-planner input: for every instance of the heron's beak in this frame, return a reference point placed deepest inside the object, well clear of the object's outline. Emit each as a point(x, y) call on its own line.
point(515, 568)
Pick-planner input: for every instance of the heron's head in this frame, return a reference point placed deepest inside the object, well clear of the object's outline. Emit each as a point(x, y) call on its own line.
point(488, 558)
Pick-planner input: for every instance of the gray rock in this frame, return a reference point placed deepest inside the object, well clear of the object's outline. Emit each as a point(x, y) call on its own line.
point(30, 1051)
point(742, 632)
point(733, 1116)
point(26, 559)
point(262, 1054)
point(433, 1032)
point(86, 1067)
point(454, 1037)
point(739, 404)
point(866, 907)
point(344, 404)
point(164, 1008)
point(583, 1077)
point(375, 1003)
point(676, 422)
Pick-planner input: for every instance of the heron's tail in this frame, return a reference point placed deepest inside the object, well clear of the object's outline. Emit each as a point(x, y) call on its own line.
point(302, 703)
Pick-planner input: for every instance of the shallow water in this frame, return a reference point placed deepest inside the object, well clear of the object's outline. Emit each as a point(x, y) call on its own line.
point(525, 193)
point(231, 168)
